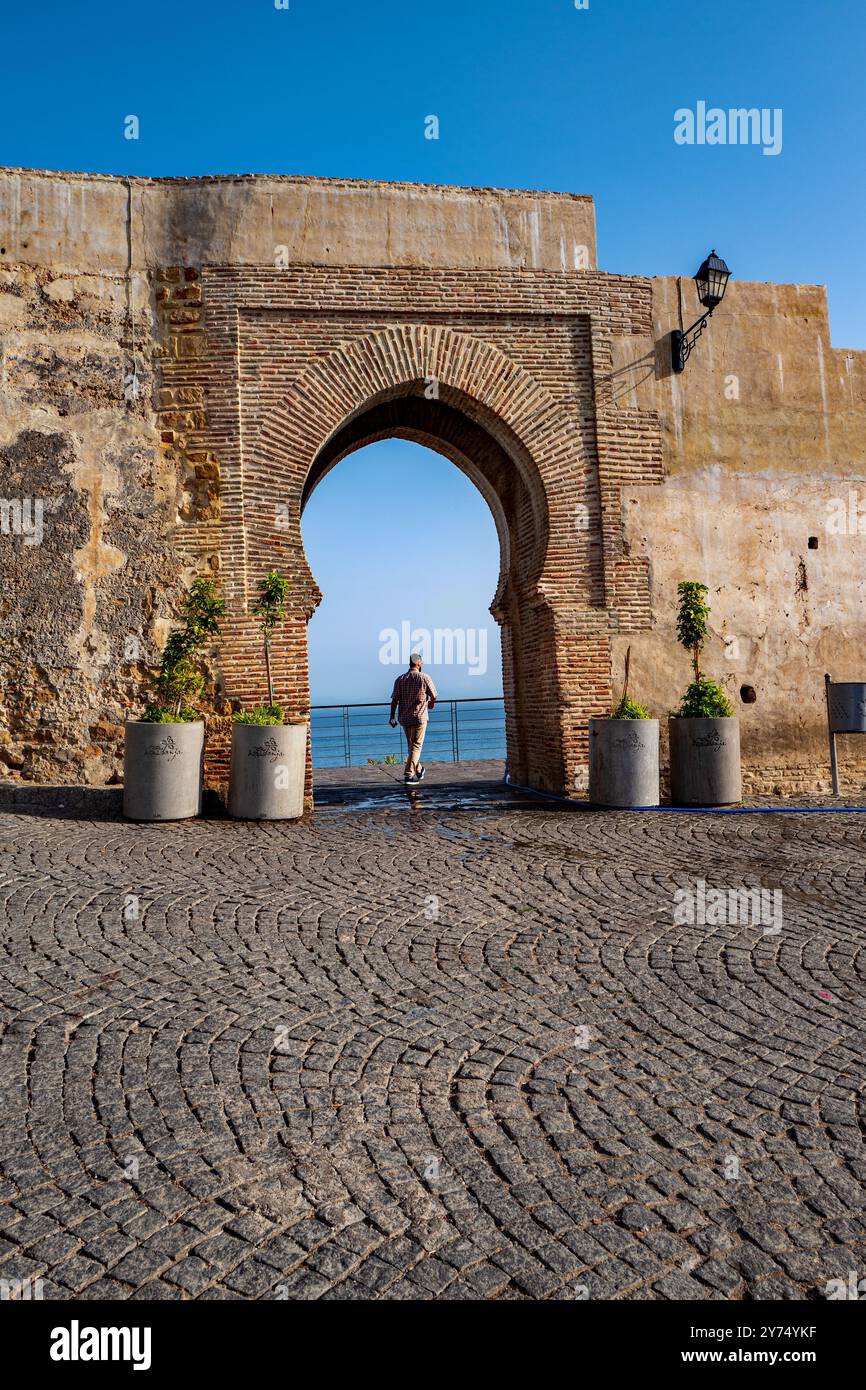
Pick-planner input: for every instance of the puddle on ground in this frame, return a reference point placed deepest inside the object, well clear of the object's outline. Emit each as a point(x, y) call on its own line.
point(432, 800)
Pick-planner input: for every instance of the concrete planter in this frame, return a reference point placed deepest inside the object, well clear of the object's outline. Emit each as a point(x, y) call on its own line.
point(268, 768)
point(162, 770)
point(624, 762)
point(847, 707)
point(705, 762)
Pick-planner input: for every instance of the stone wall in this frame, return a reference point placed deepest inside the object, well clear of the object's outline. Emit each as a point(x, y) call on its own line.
point(762, 434)
point(182, 360)
point(86, 596)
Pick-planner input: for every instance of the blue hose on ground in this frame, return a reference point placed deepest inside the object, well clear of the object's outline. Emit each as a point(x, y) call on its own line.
point(692, 810)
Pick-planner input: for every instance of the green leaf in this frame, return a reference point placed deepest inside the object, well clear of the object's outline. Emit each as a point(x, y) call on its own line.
point(274, 591)
point(629, 709)
point(179, 681)
point(693, 614)
point(260, 714)
point(705, 699)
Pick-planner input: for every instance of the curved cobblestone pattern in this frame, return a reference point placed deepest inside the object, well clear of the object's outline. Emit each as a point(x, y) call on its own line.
point(460, 1054)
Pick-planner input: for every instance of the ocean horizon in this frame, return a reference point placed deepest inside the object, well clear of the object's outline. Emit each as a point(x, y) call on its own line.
point(458, 731)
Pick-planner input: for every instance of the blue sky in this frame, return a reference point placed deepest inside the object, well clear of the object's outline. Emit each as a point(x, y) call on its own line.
point(529, 93)
point(396, 534)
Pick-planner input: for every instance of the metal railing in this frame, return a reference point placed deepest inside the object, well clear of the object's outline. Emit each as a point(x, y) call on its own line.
point(458, 731)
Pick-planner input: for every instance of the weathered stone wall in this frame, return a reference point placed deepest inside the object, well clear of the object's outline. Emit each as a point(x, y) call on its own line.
point(72, 220)
point(763, 430)
point(86, 595)
point(276, 324)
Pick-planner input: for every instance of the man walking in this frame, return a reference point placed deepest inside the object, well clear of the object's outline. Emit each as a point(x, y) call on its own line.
point(413, 695)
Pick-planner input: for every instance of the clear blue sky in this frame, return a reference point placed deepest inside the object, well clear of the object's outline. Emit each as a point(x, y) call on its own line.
point(529, 93)
point(396, 534)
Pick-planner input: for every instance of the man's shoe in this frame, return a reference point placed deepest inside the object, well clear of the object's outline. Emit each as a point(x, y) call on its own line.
point(409, 779)
point(420, 775)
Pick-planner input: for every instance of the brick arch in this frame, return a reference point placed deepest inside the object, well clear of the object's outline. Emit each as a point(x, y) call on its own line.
point(536, 431)
point(516, 441)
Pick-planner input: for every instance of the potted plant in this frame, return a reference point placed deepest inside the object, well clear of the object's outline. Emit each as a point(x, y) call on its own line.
point(164, 750)
point(624, 754)
point(269, 752)
point(704, 732)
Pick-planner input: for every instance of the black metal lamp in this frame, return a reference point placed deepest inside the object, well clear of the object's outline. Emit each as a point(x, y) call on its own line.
point(712, 281)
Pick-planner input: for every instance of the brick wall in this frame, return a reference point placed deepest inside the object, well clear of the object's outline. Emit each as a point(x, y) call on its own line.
point(290, 369)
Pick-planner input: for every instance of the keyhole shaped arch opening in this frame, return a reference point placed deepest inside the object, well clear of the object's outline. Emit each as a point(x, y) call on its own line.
point(462, 430)
point(465, 399)
point(406, 554)
point(448, 423)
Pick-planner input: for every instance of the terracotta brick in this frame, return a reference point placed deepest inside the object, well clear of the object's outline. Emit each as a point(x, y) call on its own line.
point(307, 364)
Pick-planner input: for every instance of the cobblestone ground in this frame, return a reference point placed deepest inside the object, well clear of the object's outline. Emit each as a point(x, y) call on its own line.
point(418, 1051)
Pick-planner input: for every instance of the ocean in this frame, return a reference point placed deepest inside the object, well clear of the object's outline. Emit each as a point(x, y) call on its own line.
point(459, 731)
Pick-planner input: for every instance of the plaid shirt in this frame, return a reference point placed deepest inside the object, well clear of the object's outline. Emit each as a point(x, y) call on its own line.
point(411, 693)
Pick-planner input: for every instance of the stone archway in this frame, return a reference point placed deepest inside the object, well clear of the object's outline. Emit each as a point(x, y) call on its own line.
point(465, 399)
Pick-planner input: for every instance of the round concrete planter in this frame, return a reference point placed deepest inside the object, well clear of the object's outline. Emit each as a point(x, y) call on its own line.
point(624, 762)
point(268, 768)
point(848, 707)
point(705, 762)
point(162, 770)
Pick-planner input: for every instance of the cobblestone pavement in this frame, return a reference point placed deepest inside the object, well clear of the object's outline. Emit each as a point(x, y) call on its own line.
point(429, 1052)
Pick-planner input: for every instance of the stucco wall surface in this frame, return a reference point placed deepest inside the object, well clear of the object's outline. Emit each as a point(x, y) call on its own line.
point(764, 438)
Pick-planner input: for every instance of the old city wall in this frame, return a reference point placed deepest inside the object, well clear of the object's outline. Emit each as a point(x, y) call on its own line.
point(179, 359)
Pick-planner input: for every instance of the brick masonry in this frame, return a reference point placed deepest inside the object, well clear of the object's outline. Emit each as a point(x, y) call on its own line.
point(502, 372)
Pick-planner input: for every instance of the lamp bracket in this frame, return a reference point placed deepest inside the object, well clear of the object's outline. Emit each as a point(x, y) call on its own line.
point(683, 344)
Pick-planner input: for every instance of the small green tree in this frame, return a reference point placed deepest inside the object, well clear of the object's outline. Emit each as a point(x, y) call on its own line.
point(627, 707)
point(692, 619)
point(270, 610)
point(180, 681)
point(704, 698)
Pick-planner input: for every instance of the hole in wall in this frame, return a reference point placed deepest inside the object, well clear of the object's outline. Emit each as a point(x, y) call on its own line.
point(813, 542)
point(748, 694)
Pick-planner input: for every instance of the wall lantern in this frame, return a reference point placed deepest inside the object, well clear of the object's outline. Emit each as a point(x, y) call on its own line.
point(712, 281)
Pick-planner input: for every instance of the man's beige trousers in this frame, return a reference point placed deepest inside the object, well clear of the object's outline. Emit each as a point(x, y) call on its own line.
point(415, 740)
